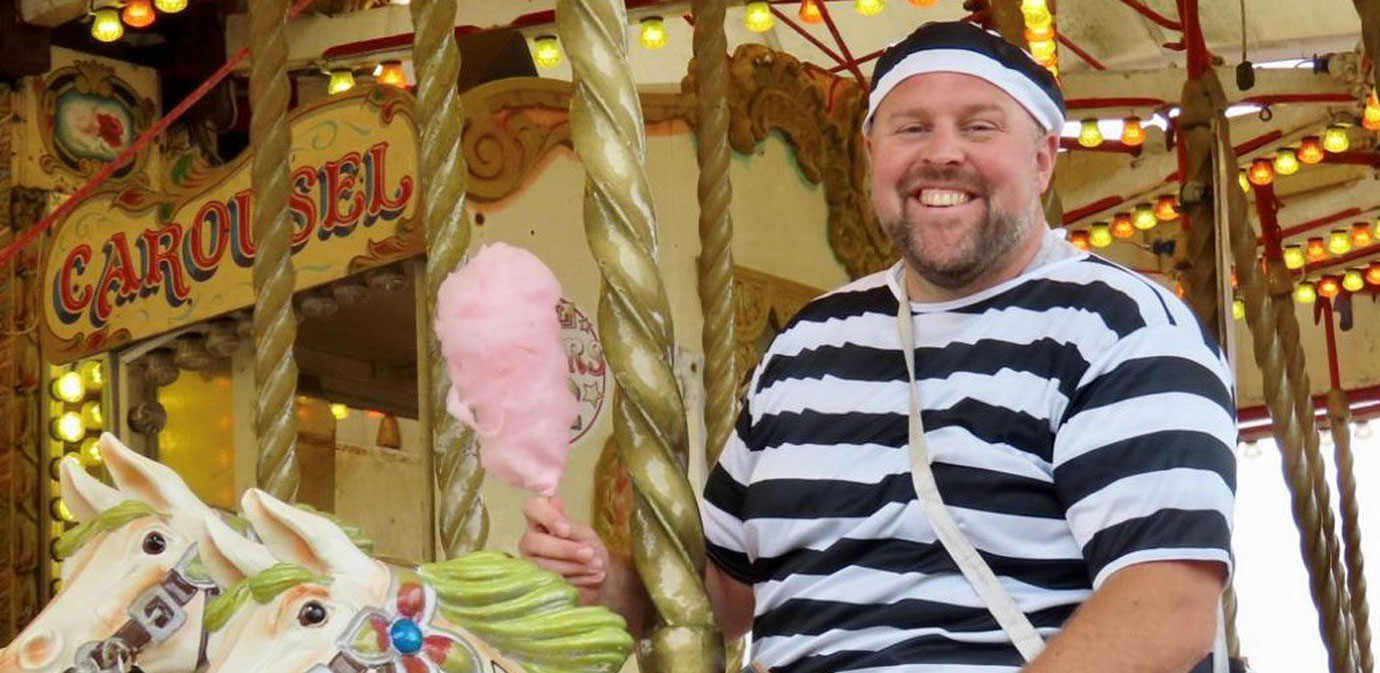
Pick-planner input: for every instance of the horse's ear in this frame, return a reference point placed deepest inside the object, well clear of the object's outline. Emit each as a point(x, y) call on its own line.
point(304, 538)
point(150, 481)
point(84, 495)
point(229, 556)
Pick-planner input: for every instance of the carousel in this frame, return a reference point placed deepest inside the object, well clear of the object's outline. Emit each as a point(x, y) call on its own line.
point(228, 395)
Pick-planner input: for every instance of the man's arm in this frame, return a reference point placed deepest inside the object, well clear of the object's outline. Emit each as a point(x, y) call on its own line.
point(1155, 617)
point(574, 551)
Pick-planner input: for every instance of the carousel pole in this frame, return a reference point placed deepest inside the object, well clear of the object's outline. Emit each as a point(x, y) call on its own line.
point(1369, 10)
point(463, 522)
point(716, 224)
point(716, 238)
point(275, 325)
point(634, 319)
point(1339, 419)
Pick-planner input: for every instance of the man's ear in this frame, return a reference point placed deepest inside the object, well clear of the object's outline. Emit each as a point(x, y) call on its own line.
point(1046, 157)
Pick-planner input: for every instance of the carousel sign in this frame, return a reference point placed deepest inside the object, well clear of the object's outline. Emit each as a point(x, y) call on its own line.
point(130, 263)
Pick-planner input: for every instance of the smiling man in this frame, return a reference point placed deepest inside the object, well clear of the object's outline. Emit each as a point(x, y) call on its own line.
point(1079, 425)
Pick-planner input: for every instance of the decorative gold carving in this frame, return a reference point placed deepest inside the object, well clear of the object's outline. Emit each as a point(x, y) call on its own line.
point(819, 114)
point(22, 573)
point(514, 124)
point(763, 304)
point(613, 502)
point(89, 84)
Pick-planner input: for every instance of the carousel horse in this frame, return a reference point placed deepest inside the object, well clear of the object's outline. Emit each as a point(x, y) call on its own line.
point(320, 605)
point(129, 585)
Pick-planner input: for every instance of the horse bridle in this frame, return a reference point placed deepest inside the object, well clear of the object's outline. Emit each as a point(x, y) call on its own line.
point(154, 617)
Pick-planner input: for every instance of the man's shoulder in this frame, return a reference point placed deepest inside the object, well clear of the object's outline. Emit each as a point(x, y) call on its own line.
point(870, 294)
point(1127, 299)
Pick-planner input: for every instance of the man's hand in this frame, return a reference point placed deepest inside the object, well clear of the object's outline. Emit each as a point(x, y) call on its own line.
point(569, 549)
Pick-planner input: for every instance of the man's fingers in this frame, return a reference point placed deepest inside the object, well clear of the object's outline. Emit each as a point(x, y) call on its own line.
point(541, 546)
point(546, 515)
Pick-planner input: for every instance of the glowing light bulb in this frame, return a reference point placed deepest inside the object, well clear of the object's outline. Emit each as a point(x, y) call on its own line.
point(1144, 215)
point(1329, 286)
point(1310, 150)
point(392, 74)
point(1353, 280)
point(1100, 234)
point(1286, 162)
point(1132, 133)
point(1293, 257)
point(69, 387)
point(923, 3)
point(809, 12)
point(1305, 293)
point(90, 454)
point(1079, 239)
point(1122, 227)
point(1360, 235)
point(1166, 208)
point(546, 52)
point(1262, 172)
point(69, 427)
point(1317, 249)
point(757, 16)
point(342, 80)
point(92, 415)
point(340, 411)
point(1370, 118)
point(170, 6)
point(106, 26)
point(138, 14)
point(1044, 51)
point(1339, 242)
point(92, 375)
point(653, 34)
point(1089, 135)
point(1238, 309)
point(1373, 273)
point(869, 7)
point(1036, 13)
point(1335, 139)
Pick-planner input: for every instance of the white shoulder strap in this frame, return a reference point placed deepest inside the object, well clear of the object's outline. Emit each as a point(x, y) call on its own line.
point(984, 581)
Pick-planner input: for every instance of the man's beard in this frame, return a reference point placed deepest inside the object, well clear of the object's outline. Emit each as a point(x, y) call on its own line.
point(998, 232)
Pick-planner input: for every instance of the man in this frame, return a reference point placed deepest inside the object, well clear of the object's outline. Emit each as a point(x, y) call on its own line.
point(1080, 423)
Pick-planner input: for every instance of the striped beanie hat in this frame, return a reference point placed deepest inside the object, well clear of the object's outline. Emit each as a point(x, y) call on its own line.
point(961, 47)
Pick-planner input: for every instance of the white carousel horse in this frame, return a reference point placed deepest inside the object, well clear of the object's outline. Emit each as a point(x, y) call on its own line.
point(327, 607)
point(128, 589)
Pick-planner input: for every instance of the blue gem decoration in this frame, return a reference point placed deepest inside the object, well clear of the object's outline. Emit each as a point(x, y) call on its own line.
point(406, 637)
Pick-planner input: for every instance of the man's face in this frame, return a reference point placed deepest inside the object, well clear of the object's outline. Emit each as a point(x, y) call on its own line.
point(957, 171)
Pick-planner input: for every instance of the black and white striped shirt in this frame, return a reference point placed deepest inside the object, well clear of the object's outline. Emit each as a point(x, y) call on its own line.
point(1079, 419)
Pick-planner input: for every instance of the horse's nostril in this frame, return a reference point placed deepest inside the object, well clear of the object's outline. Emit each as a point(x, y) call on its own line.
point(39, 649)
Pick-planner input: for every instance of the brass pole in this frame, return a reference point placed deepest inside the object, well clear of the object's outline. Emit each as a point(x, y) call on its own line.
point(275, 326)
point(463, 521)
point(635, 324)
point(1339, 418)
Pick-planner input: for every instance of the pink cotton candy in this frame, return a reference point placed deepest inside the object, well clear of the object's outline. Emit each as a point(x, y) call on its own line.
point(510, 381)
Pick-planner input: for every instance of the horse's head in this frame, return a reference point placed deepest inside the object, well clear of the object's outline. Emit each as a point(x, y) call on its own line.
point(124, 590)
point(289, 612)
point(325, 606)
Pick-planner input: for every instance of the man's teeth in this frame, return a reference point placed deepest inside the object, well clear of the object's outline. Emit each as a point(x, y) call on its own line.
point(943, 197)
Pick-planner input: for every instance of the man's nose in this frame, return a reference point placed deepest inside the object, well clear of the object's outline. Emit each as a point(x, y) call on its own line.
point(943, 146)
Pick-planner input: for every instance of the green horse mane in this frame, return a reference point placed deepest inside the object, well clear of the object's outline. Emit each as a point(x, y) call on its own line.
point(107, 521)
point(529, 614)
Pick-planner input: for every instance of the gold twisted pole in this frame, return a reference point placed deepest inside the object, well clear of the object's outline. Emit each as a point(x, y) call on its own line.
point(1289, 430)
point(716, 224)
point(635, 323)
point(715, 191)
point(1339, 417)
point(275, 326)
point(463, 521)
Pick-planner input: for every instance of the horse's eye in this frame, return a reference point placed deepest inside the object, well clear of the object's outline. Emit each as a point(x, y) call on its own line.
point(312, 614)
point(155, 544)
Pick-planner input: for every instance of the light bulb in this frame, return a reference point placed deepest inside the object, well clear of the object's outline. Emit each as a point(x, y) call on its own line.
point(342, 80)
point(340, 411)
point(546, 52)
point(1089, 135)
point(653, 34)
point(1339, 242)
point(138, 14)
point(170, 6)
point(869, 7)
point(1310, 150)
point(1353, 281)
point(69, 387)
point(1293, 257)
point(392, 74)
point(809, 12)
point(1132, 133)
point(1238, 309)
point(757, 16)
point(106, 26)
point(1286, 162)
point(1335, 139)
point(1305, 293)
point(1144, 215)
point(69, 427)
point(1100, 234)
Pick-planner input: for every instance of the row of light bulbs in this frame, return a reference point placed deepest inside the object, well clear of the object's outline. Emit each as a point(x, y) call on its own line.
point(1144, 217)
point(757, 17)
point(77, 392)
point(389, 73)
point(108, 21)
point(1329, 286)
point(1040, 34)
